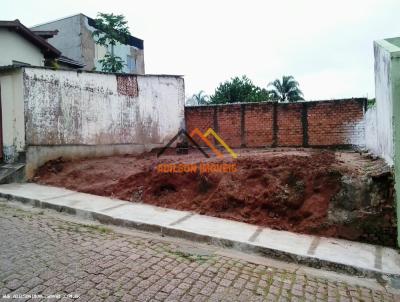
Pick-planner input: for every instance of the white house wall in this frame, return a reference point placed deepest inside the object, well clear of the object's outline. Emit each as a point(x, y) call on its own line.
point(16, 48)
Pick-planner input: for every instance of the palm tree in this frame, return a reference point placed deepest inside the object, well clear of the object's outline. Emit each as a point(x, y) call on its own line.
point(200, 98)
point(286, 90)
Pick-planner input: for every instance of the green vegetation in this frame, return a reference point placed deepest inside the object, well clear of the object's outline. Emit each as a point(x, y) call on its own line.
point(286, 90)
point(79, 228)
point(243, 90)
point(111, 29)
point(98, 228)
point(371, 103)
point(199, 98)
point(179, 255)
point(239, 90)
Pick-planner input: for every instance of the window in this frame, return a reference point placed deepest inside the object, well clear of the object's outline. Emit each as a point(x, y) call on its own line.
point(131, 63)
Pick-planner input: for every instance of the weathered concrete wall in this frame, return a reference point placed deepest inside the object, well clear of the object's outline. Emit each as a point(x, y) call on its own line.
point(371, 131)
point(16, 48)
point(387, 91)
point(75, 110)
point(395, 85)
point(384, 105)
point(12, 108)
point(68, 39)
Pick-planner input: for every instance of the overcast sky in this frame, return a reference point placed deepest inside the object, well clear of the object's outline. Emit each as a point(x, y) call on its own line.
point(325, 45)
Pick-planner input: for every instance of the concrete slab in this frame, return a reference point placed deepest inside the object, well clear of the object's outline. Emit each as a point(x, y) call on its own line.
point(33, 191)
point(217, 228)
point(145, 214)
point(88, 202)
point(284, 241)
point(390, 260)
point(334, 253)
point(347, 252)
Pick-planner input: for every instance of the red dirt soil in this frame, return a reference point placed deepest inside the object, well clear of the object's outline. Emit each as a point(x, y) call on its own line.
point(289, 190)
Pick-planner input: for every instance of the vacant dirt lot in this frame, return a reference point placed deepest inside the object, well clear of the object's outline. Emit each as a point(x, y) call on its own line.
point(340, 194)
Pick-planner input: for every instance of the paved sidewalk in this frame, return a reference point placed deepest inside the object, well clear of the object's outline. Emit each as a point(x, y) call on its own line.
point(318, 251)
point(45, 254)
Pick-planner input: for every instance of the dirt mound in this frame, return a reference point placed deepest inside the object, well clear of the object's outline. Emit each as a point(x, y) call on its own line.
point(285, 191)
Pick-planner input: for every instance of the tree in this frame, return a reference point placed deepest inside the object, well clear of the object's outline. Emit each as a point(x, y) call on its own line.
point(200, 98)
point(286, 90)
point(371, 103)
point(239, 90)
point(111, 29)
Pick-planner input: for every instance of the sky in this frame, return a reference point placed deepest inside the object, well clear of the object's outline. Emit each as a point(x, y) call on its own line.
point(326, 45)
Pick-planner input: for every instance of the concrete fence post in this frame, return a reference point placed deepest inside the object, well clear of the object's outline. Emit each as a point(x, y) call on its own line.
point(242, 125)
point(275, 125)
point(304, 123)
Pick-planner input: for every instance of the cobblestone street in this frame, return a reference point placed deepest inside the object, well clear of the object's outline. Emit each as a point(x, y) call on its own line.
point(42, 254)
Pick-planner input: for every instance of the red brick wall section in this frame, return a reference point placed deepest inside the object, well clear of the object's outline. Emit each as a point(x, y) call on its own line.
point(324, 123)
point(290, 129)
point(199, 117)
point(229, 125)
point(335, 123)
point(258, 121)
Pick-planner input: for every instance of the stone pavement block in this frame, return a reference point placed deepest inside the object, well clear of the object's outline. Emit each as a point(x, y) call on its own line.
point(158, 270)
point(313, 250)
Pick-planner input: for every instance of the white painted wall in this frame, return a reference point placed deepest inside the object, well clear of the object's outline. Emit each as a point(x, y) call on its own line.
point(379, 135)
point(371, 132)
point(12, 105)
point(81, 108)
point(15, 48)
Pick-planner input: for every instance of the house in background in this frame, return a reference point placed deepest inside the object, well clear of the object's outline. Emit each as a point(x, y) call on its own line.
point(20, 46)
point(75, 40)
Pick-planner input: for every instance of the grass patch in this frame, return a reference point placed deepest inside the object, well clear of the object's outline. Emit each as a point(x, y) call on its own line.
point(98, 228)
point(80, 228)
point(179, 255)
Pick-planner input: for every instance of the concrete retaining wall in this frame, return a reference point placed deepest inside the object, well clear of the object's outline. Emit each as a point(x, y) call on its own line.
point(383, 144)
point(387, 91)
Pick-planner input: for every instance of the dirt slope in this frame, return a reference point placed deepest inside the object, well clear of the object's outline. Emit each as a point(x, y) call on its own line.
point(289, 190)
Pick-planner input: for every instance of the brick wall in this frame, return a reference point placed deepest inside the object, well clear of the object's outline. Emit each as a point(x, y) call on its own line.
point(290, 130)
point(335, 123)
point(229, 124)
point(254, 135)
point(315, 124)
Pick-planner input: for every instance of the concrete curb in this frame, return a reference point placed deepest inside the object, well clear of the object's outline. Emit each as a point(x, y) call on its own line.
point(176, 230)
